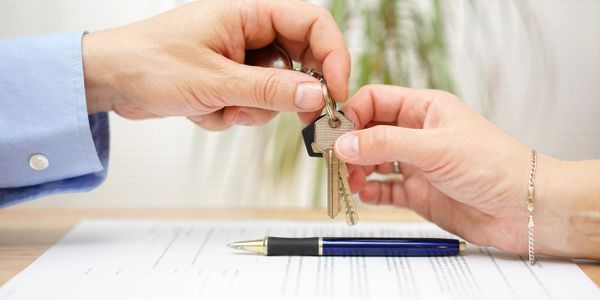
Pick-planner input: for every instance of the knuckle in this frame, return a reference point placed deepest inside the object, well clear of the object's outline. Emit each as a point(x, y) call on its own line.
point(370, 89)
point(378, 139)
point(380, 134)
point(384, 144)
point(195, 100)
point(365, 91)
point(266, 91)
point(223, 79)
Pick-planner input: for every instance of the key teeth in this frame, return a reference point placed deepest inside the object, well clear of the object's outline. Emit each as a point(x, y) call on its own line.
point(352, 220)
point(346, 199)
point(350, 214)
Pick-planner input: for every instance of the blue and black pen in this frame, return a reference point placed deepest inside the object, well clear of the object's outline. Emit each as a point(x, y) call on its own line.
point(336, 246)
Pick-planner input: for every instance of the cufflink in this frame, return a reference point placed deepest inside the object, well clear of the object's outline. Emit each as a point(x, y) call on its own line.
point(39, 162)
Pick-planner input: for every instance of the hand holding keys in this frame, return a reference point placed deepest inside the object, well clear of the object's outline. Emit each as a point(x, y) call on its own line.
point(320, 135)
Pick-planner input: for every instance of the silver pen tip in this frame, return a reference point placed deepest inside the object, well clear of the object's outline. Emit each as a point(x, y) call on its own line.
point(234, 246)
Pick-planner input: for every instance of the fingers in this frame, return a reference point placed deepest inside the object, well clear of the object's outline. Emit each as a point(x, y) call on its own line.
point(382, 144)
point(418, 195)
point(413, 192)
point(213, 121)
point(308, 117)
point(309, 60)
point(463, 220)
point(233, 115)
point(299, 51)
point(385, 168)
point(268, 88)
point(384, 193)
point(357, 179)
point(247, 116)
point(311, 27)
point(390, 104)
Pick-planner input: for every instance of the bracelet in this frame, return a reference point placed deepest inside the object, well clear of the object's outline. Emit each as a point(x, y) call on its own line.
point(530, 199)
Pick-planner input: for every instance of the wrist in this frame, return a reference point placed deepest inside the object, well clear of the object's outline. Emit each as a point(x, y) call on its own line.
point(565, 218)
point(549, 214)
point(100, 93)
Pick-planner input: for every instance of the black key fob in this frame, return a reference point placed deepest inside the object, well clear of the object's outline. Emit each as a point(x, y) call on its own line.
point(308, 134)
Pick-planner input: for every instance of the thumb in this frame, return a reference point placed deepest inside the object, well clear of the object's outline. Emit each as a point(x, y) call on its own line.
point(273, 89)
point(381, 144)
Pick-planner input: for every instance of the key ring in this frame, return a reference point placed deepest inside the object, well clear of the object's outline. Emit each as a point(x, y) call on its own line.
point(330, 104)
point(330, 107)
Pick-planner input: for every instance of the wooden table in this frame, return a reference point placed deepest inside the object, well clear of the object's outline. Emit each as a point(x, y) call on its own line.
point(25, 233)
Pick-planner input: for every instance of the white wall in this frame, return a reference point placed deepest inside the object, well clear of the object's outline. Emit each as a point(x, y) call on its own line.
point(170, 163)
point(562, 119)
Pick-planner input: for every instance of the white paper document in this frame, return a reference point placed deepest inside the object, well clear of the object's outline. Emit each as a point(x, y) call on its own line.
point(110, 259)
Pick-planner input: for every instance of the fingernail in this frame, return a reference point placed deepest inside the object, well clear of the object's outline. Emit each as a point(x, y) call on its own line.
point(197, 119)
point(347, 146)
point(242, 119)
point(309, 96)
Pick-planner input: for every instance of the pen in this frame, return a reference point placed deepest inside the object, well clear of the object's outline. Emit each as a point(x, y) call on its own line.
point(343, 246)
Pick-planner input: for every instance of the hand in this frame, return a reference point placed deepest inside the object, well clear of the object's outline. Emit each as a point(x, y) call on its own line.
point(189, 62)
point(466, 175)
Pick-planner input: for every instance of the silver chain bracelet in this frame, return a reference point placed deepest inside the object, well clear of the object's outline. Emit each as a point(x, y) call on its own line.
point(530, 199)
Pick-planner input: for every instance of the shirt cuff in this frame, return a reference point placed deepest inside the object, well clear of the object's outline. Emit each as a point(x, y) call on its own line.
point(43, 112)
point(99, 126)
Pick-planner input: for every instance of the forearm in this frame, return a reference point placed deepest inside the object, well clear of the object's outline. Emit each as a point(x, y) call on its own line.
point(43, 114)
point(568, 209)
point(584, 208)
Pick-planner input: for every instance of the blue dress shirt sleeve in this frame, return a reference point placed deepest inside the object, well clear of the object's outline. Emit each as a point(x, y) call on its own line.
point(43, 112)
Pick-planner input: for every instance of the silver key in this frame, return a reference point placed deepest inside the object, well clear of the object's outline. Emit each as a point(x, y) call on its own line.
point(346, 196)
point(327, 131)
point(333, 184)
point(333, 203)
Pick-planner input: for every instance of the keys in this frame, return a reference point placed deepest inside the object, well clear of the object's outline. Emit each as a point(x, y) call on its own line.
point(322, 135)
point(347, 200)
point(333, 184)
point(319, 136)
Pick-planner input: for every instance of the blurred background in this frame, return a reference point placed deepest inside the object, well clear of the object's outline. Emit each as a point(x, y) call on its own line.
point(530, 66)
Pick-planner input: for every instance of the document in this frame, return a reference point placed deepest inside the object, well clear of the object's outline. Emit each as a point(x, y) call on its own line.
point(158, 259)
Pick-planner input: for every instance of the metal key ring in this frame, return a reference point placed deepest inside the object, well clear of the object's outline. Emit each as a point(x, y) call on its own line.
point(396, 165)
point(311, 72)
point(330, 104)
